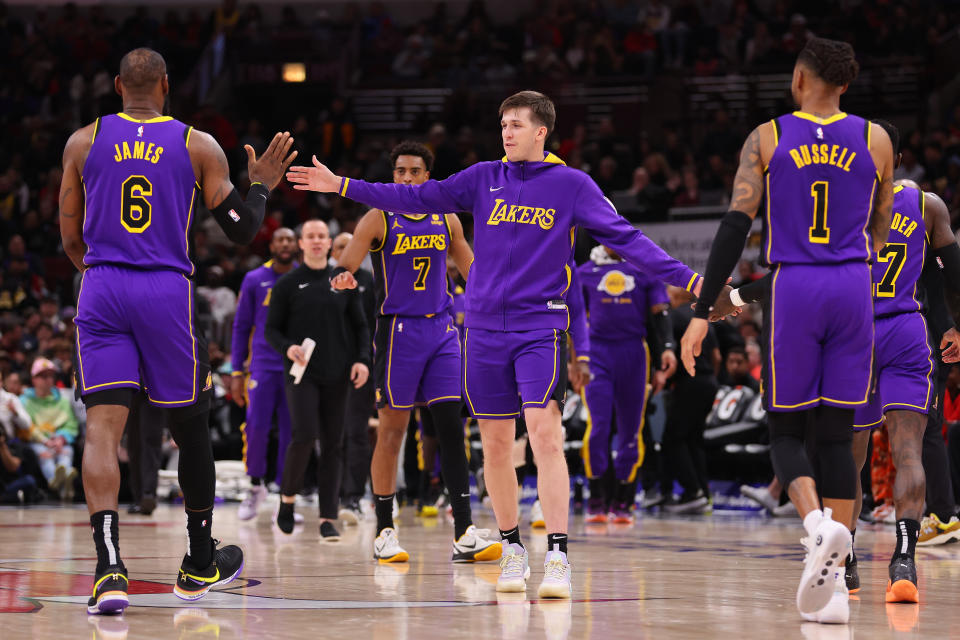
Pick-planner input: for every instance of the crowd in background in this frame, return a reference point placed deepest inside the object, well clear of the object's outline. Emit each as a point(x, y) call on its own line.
point(58, 76)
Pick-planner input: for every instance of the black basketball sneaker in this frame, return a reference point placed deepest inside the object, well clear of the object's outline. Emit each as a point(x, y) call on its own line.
point(902, 586)
point(851, 575)
point(194, 582)
point(109, 592)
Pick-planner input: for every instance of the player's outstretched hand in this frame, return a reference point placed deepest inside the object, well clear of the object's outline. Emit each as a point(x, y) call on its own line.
point(268, 169)
point(950, 346)
point(315, 178)
point(724, 307)
point(691, 343)
point(343, 280)
point(359, 374)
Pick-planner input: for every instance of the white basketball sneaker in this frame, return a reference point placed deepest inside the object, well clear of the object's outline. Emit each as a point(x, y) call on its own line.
point(556, 576)
point(536, 516)
point(837, 610)
point(514, 569)
point(248, 508)
point(475, 545)
point(386, 548)
point(827, 546)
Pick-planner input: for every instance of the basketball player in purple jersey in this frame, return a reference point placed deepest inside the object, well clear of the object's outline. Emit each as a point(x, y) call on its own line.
point(526, 209)
point(829, 179)
point(131, 182)
point(417, 350)
point(258, 376)
point(625, 306)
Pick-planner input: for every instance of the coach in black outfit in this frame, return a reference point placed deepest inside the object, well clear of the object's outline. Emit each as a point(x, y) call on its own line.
point(303, 305)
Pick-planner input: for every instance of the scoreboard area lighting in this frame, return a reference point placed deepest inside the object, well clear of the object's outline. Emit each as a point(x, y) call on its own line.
point(294, 72)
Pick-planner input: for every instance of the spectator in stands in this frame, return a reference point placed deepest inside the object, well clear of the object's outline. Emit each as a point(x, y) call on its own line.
point(688, 195)
point(14, 419)
point(737, 372)
point(53, 429)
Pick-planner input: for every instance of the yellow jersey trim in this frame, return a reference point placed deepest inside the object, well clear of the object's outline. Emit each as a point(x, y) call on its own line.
point(549, 157)
point(383, 240)
point(147, 121)
point(96, 130)
point(641, 449)
point(343, 187)
point(693, 280)
point(812, 118)
point(186, 141)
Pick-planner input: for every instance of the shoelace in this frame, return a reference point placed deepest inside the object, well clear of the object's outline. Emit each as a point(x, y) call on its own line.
point(481, 533)
point(511, 565)
point(555, 570)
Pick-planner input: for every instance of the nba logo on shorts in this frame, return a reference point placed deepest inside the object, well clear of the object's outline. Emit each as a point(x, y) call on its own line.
point(234, 215)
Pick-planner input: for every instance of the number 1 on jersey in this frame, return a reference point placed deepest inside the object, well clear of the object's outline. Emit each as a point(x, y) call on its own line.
point(820, 232)
point(423, 264)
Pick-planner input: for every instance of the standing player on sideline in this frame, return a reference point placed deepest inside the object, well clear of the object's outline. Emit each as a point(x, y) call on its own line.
point(417, 350)
point(622, 302)
point(527, 207)
point(258, 365)
point(130, 185)
point(829, 176)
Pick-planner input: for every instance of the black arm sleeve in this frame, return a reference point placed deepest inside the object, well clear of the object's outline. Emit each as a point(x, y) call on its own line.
point(756, 291)
point(240, 219)
point(938, 315)
point(361, 332)
point(724, 254)
point(277, 316)
point(949, 257)
point(661, 334)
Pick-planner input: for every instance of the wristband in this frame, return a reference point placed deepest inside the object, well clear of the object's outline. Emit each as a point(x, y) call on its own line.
point(736, 299)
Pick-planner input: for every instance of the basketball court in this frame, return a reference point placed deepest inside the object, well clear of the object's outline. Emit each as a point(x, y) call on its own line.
point(719, 576)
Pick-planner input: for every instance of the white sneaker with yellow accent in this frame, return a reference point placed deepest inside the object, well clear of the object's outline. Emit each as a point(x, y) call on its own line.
point(475, 545)
point(386, 548)
point(536, 516)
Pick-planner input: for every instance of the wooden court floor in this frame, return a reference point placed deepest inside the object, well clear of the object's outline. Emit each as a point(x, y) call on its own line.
point(720, 576)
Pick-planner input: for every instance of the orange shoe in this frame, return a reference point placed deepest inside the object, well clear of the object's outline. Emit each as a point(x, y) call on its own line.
point(902, 586)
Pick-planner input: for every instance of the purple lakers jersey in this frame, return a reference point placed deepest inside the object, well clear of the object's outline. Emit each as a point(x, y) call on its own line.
point(896, 268)
point(140, 191)
point(411, 268)
point(250, 350)
point(618, 297)
point(820, 187)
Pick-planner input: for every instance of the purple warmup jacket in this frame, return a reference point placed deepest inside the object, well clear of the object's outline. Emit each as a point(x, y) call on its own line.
point(250, 350)
point(525, 214)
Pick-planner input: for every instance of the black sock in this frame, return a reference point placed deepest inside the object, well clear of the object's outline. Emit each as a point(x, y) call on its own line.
point(596, 489)
point(557, 542)
point(200, 548)
point(453, 462)
point(512, 536)
point(383, 505)
point(627, 493)
point(256, 482)
point(106, 537)
point(285, 517)
point(907, 533)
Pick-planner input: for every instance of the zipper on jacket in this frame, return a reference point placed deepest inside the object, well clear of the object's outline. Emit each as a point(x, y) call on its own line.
point(513, 242)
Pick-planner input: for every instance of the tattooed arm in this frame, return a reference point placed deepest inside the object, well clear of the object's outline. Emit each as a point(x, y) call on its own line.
point(882, 151)
point(71, 195)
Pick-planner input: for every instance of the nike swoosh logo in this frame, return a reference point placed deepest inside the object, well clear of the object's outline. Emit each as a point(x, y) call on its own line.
point(497, 189)
point(305, 284)
point(464, 495)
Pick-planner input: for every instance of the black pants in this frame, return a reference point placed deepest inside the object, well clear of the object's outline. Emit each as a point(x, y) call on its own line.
point(936, 463)
point(356, 442)
point(953, 450)
point(316, 412)
point(690, 402)
point(144, 440)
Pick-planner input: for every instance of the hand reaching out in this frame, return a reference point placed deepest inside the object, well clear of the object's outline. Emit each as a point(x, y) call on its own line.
point(268, 169)
point(315, 178)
